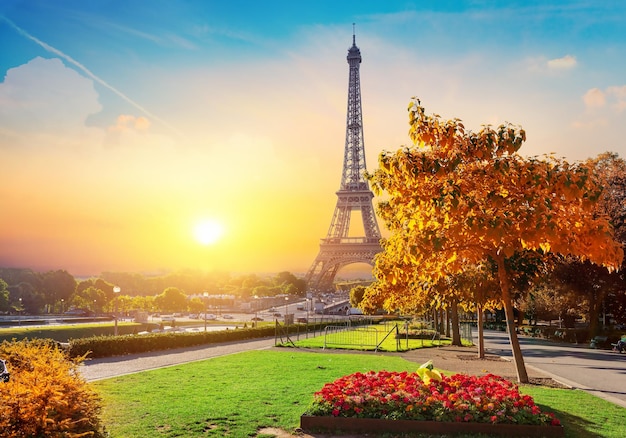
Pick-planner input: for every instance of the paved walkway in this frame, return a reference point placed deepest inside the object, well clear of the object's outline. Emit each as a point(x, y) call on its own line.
point(97, 369)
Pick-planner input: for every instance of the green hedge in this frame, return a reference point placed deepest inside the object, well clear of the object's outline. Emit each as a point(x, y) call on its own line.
point(106, 346)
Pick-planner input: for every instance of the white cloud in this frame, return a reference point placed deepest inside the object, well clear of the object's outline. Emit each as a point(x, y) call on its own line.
point(613, 97)
point(618, 93)
point(601, 126)
point(565, 63)
point(46, 98)
point(594, 98)
point(126, 122)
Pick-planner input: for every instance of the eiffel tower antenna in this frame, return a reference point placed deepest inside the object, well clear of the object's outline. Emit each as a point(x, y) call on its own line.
point(339, 249)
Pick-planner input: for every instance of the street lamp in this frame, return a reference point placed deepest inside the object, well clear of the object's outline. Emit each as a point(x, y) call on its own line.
point(308, 303)
point(116, 290)
point(19, 313)
point(206, 300)
point(286, 308)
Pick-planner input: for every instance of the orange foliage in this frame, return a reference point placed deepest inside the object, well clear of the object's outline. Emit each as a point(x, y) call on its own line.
point(45, 396)
point(458, 199)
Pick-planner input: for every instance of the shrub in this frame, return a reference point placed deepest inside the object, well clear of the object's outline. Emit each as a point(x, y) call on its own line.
point(46, 395)
point(106, 346)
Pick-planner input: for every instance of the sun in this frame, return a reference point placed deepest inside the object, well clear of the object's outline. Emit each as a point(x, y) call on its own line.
point(208, 231)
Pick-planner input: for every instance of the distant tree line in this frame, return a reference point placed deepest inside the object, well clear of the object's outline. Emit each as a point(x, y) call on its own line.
point(25, 291)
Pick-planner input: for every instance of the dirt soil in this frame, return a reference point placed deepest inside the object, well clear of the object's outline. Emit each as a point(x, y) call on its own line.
point(453, 359)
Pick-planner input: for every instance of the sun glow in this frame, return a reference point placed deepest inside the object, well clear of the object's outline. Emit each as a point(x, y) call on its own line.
point(208, 231)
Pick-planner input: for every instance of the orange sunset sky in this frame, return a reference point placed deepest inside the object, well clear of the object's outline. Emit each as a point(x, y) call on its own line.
point(122, 128)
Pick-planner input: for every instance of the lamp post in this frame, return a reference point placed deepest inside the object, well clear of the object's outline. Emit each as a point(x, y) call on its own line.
point(116, 290)
point(286, 309)
point(19, 313)
point(206, 300)
point(308, 302)
point(62, 306)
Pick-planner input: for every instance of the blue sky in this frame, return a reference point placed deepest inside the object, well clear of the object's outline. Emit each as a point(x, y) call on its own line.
point(122, 123)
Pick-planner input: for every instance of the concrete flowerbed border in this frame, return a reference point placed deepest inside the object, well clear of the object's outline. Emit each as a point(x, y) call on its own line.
point(346, 424)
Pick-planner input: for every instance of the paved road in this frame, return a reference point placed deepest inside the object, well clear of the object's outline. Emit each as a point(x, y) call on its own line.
point(599, 372)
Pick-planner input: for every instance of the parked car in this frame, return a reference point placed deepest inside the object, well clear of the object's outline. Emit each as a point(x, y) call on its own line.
point(257, 318)
point(227, 317)
point(302, 320)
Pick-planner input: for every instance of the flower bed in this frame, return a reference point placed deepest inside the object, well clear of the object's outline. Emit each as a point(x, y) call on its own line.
point(402, 396)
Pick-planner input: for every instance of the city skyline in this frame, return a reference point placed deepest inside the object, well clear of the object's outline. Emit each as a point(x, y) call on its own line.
point(125, 124)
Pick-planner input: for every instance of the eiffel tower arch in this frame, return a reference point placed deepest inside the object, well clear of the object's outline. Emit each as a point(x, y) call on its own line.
point(338, 248)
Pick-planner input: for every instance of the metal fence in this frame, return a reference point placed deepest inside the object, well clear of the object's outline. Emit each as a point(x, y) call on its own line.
point(342, 335)
point(466, 331)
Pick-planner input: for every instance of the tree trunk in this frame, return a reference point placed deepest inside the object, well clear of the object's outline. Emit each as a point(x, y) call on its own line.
point(442, 326)
point(454, 316)
point(448, 316)
point(481, 333)
point(594, 313)
point(505, 288)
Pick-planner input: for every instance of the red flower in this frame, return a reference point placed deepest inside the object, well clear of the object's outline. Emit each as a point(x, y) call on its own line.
point(459, 397)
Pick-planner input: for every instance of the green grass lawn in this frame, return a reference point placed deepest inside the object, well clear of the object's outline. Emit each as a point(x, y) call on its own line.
point(387, 340)
point(236, 395)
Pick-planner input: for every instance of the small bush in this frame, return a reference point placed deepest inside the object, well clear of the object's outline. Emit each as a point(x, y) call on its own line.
point(46, 397)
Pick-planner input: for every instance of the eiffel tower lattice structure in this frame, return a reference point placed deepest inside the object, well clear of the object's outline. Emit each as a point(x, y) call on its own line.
point(339, 249)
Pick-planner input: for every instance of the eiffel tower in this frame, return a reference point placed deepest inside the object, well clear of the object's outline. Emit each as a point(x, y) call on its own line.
point(338, 249)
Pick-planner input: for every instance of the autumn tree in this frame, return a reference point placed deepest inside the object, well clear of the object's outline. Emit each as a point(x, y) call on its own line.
point(612, 171)
point(458, 198)
point(596, 286)
point(356, 295)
